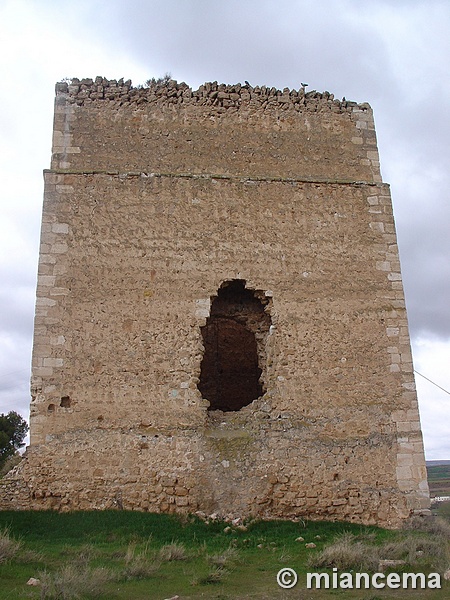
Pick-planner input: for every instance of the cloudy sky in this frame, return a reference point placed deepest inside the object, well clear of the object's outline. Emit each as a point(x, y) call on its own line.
point(394, 54)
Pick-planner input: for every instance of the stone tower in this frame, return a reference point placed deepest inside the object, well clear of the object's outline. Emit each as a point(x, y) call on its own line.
point(220, 319)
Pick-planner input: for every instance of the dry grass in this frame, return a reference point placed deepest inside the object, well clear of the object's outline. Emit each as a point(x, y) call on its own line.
point(214, 576)
point(227, 559)
point(139, 564)
point(173, 551)
point(8, 546)
point(221, 566)
point(424, 545)
point(85, 555)
point(429, 524)
point(347, 552)
point(73, 583)
point(415, 550)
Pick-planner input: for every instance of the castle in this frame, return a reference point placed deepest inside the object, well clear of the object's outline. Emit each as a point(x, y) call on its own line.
point(220, 319)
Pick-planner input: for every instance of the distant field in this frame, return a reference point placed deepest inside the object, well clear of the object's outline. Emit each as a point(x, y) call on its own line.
point(439, 480)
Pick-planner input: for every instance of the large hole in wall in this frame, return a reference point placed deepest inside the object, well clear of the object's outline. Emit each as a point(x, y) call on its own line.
point(234, 339)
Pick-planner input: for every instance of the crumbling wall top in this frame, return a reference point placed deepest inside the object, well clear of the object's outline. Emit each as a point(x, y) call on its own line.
point(82, 91)
point(238, 130)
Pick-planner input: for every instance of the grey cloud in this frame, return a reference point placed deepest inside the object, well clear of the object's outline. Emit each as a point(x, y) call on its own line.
point(274, 43)
point(15, 352)
point(16, 311)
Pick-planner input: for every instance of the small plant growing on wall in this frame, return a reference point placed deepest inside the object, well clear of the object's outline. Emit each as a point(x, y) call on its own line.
point(159, 81)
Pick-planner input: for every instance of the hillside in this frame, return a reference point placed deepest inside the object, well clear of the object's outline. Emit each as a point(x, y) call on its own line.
point(439, 478)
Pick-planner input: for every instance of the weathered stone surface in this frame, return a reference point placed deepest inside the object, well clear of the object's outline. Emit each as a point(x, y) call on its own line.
point(152, 205)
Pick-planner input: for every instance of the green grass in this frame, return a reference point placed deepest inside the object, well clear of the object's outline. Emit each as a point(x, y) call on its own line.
point(131, 555)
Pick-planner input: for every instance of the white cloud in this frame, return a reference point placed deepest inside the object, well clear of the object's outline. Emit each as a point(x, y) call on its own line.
point(432, 359)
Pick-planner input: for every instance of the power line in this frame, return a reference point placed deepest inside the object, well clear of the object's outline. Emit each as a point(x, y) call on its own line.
point(438, 386)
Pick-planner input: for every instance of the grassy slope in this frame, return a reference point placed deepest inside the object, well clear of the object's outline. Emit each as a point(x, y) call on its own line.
point(102, 539)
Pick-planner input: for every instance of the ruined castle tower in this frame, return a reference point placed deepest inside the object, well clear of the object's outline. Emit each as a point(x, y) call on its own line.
point(220, 319)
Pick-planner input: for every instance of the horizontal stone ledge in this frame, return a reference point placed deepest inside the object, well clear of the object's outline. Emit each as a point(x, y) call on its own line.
point(241, 178)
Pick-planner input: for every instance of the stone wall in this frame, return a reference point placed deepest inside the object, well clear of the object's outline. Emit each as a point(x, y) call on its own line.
point(156, 199)
point(257, 132)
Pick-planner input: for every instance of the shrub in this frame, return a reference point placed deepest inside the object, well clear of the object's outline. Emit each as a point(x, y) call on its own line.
point(139, 565)
point(347, 552)
point(221, 565)
point(422, 552)
point(214, 576)
point(160, 81)
point(429, 524)
point(228, 558)
point(73, 583)
point(172, 551)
